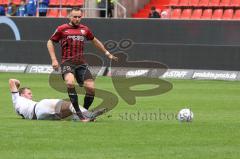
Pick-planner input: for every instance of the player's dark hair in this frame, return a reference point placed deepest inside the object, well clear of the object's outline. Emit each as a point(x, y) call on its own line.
point(153, 8)
point(21, 90)
point(75, 9)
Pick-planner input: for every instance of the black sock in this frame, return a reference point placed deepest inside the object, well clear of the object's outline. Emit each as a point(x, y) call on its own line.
point(88, 100)
point(73, 98)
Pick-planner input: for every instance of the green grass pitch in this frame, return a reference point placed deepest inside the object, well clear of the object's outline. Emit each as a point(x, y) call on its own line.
point(128, 131)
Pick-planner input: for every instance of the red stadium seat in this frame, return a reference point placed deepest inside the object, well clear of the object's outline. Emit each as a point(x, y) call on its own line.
point(64, 2)
point(52, 13)
point(224, 3)
point(4, 2)
point(228, 14)
point(79, 2)
point(176, 13)
point(203, 3)
point(217, 14)
point(235, 3)
point(236, 15)
point(197, 13)
point(186, 14)
point(214, 3)
point(54, 3)
point(71, 2)
point(193, 2)
point(207, 14)
point(17, 2)
point(63, 13)
point(183, 3)
point(173, 2)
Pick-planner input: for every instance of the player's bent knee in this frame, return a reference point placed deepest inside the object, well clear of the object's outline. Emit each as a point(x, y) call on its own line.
point(90, 89)
point(89, 84)
point(69, 78)
point(70, 83)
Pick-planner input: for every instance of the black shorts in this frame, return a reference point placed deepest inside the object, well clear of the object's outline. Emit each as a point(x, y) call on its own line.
point(80, 72)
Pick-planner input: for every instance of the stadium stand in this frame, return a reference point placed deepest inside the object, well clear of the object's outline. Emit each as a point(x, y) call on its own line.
point(4, 2)
point(63, 13)
point(195, 9)
point(193, 2)
point(176, 13)
point(236, 15)
point(228, 14)
point(159, 4)
point(235, 3)
point(64, 3)
point(214, 3)
point(217, 14)
point(203, 3)
point(52, 12)
point(173, 3)
point(17, 2)
point(207, 14)
point(183, 3)
point(197, 13)
point(186, 13)
point(224, 3)
point(54, 3)
point(69, 3)
point(72, 3)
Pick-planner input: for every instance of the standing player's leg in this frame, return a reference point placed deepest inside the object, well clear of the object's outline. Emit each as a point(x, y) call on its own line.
point(69, 80)
point(84, 78)
point(90, 92)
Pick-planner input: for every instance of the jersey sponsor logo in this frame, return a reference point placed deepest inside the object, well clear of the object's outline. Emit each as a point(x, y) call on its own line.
point(76, 37)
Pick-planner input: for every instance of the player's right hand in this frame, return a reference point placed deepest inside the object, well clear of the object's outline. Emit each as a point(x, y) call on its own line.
point(55, 65)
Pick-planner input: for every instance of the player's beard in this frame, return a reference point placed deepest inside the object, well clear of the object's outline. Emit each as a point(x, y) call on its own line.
point(75, 24)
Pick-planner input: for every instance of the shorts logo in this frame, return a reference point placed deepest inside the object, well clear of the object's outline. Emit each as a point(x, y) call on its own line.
point(76, 37)
point(66, 69)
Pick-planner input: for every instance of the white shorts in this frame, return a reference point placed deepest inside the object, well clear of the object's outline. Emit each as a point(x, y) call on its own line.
point(47, 109)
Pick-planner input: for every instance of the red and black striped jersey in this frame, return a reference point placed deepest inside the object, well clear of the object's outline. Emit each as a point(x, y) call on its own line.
point(72, 40)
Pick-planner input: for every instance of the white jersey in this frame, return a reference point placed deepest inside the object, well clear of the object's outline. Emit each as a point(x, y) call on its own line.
point(23, 106)
point(45, 109)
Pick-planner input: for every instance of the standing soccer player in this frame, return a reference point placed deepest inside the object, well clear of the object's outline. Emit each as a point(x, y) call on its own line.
point(73, 65)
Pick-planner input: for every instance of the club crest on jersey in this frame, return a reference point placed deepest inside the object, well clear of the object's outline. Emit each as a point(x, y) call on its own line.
point(83, 32)
point(76, 37)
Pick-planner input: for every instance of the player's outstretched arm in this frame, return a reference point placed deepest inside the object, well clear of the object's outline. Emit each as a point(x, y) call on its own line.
point(51, 50)
point(14, 84)
point(101, 47)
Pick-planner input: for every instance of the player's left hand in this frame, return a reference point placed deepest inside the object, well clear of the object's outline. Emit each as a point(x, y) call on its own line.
point(112, 57)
